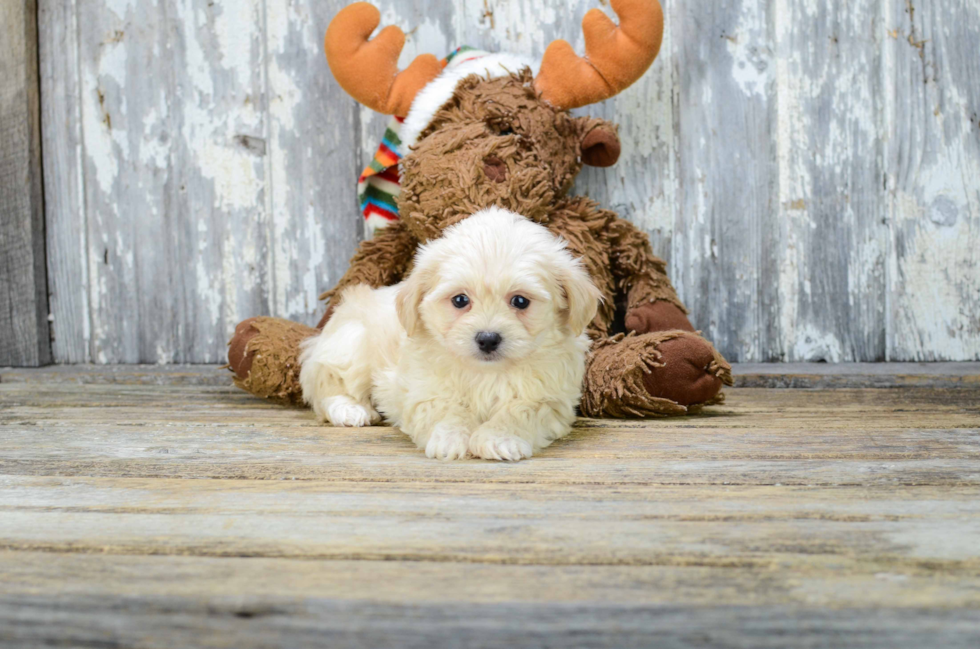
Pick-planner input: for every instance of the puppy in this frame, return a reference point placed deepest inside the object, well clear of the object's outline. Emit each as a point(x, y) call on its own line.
point(480, 352)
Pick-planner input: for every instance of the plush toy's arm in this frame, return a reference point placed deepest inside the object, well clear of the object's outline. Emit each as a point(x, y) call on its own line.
point(652, 302)
point(381, 261)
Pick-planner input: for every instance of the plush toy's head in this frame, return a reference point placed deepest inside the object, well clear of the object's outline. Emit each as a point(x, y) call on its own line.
point(494, 130)
point(495, 143)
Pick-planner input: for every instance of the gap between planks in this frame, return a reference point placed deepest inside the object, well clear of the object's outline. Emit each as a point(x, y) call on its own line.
point(748, 375)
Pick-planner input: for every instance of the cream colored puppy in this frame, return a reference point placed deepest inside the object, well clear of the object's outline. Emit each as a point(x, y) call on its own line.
point(479, 352)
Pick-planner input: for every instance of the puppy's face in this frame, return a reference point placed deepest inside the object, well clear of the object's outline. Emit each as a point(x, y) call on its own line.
point(496, 288)
point(490, 317)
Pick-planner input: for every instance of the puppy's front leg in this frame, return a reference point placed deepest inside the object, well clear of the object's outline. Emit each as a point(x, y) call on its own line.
point(441, 429)
point(515, 431)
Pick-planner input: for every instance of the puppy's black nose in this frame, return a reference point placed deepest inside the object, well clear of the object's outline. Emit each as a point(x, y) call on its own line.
point(488, 341)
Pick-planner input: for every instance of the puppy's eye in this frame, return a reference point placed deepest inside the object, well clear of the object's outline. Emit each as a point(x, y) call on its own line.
point(520, 302)
point(461, 301)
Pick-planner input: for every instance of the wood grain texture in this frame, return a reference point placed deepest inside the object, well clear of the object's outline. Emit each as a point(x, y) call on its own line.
point(258, 621)
point(230, 583)
point(154, 513)
point(313, 161)
point(726, 226)
point(24, 338)
point(932, 157)
point(833, 242)
point(810, 170)
point(174, 196)
point(216, 174)
point(64, 205)
point(777, 528)
point(913, 436)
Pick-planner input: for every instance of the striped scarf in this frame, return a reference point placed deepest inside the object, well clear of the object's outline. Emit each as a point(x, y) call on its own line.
point(380, 183)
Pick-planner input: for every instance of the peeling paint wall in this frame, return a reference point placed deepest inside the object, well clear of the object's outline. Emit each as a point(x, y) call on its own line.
point(809, 168)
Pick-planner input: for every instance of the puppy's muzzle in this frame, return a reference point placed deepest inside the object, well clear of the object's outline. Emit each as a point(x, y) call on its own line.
point(488, 341)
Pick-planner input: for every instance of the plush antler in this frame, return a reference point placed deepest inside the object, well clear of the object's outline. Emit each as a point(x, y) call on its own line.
point(615, 57)
point(368, 70)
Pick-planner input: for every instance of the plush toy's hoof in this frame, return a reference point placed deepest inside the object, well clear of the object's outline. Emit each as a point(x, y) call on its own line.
point(657, 316)
point(264, 355)
point(690, 371)
point(239, 356)
point(656, 374)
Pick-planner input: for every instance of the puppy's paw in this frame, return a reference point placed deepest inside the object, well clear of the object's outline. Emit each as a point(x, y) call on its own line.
point(343, 411)
point(447, 443)
point(499, 446)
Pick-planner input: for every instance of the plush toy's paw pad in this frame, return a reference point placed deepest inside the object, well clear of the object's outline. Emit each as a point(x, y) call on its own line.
point(657, 316)
point(447, 443)
point(239, 356)
point(507, 448)
point(342, 411)
point(692, 371)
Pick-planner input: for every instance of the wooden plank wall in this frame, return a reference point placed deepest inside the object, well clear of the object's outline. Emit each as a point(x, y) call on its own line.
point(810, 168)
point(23, 285)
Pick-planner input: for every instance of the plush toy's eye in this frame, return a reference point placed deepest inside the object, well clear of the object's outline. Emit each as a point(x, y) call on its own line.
point(520, 302)
point(500, 127)
point(461, 301)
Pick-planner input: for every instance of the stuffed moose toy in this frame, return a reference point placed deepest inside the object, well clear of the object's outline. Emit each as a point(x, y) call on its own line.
point(478, 130)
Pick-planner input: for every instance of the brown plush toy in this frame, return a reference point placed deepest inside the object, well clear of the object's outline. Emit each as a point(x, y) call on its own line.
point(494, 129)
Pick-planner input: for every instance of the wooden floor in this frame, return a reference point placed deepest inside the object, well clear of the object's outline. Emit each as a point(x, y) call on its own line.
point(158, 508)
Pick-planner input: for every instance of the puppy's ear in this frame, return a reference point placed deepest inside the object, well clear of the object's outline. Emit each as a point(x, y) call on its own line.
point(581, 295)
point(409, 298)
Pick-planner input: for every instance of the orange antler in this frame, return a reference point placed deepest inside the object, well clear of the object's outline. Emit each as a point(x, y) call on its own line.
point(368, 70)
point(615, 57)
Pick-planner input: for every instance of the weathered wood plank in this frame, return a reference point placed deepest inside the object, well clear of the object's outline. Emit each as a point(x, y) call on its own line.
point(855, 375)
point(833, 252)
point(147, 601)
point(249, 582)
point(874, 437)
point(726, 222)
point(171, 283)
point(54, 621)
point(220, 180)
point(313, 162)
point(175, 180)
point(413, 467)
point(24, 338)
point(886, 530)
point(125, 83)
point(249, 439)
point(175, 374)
point(932, 155)
point(64, 204)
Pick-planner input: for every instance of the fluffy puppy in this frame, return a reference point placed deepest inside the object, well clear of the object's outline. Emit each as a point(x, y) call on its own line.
point(480, 352)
